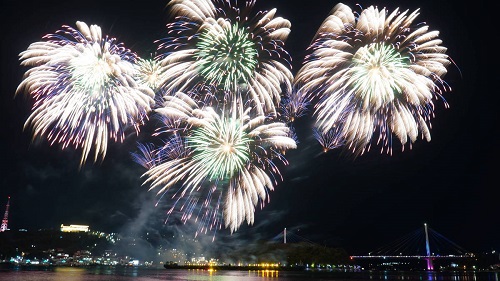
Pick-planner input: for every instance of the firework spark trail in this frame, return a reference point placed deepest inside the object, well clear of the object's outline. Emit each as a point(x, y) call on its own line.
point(226, 153)
point(220, 45)
point(84, 89)
point(375, 73)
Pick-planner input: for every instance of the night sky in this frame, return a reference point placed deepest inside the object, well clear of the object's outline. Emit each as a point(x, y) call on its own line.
point(333, 199)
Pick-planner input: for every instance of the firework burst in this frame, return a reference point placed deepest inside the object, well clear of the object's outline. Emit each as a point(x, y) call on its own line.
point(293, 105)
point(150, 73)
point(327, 140)
point(220, 45)
point(226, 156)
point(374, 73)
point(84, 89)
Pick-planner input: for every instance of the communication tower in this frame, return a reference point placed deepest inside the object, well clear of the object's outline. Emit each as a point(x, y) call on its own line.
point(5, 220)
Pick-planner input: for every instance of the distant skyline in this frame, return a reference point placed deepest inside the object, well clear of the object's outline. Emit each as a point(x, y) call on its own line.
point(333, 199)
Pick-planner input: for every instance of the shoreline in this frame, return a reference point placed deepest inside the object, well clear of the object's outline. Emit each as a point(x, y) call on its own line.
point(12, 266)
point(309, 269)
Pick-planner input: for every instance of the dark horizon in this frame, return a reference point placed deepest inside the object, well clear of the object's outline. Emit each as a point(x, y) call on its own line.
point(330, 198)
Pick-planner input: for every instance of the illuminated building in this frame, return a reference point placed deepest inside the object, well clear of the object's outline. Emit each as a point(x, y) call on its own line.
point(74, 228)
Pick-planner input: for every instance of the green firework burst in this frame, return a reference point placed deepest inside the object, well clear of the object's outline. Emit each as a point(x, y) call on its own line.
point(376, 70)
point(221, 148)
point(227, 57)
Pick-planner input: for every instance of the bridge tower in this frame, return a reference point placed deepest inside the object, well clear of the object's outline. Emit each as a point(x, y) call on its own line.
point(5, 220)
point(430, 266)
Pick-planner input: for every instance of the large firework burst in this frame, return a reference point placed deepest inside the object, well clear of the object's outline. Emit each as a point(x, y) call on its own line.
point(216, 44)
point(84, 89)
point(374, 73)
point(226, 156)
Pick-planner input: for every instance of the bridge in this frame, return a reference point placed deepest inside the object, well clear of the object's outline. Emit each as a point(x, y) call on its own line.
point(417, 245)
point(287, 236)
point(423, 248)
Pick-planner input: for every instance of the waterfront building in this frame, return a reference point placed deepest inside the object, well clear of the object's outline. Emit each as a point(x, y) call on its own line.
point(74, 228)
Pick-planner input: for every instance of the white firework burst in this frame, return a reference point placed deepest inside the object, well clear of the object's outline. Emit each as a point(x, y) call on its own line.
point(374, 73)
point(84, 89)
point(220, 45)
point(226, 152)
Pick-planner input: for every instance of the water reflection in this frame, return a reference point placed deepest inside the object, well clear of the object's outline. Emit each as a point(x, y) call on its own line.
point(69, 273)
point(265, 273)
point(227, 275)
point(138, 274)
point(434, 276)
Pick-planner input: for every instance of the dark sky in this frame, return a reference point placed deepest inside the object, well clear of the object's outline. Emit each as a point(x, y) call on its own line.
point(333, 199)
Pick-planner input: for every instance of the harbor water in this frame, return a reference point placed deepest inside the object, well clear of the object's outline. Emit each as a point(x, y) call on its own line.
point(151, 274)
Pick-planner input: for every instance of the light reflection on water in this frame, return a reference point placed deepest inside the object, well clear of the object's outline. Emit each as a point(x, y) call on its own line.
point(436, 276)
point(138, 274)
